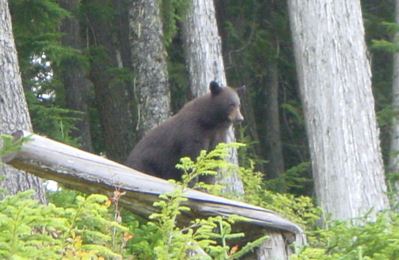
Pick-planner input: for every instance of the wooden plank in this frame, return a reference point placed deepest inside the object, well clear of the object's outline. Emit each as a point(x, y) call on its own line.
point(91, 173)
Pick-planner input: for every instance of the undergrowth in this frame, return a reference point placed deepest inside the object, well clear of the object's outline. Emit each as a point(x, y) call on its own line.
point(201, 238)
point(29, 230)
point(74, 226)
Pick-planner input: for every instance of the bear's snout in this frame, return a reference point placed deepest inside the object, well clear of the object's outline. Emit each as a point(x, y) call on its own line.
point(236, 116)
point(239, 118)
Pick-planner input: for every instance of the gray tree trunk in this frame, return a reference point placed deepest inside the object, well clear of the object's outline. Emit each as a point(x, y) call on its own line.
point(335, 82)
point(274, 248)
point(203, 52)
point(149, 63)
point(394, 149)
point(73, 75)
point(203, 46)
point(14, 113)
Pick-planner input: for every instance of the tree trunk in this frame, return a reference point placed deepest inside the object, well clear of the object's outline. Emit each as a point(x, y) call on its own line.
point(335, 82)
point(394, 149)
point(149, 64)
point(203, 52)
point(274, 150)
point(73, 75)
point(14, 112)
point(110, 76)
point(275, 248)
point(203, 47)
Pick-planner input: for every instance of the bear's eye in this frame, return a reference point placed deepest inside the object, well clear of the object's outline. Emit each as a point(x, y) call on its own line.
point(232, 105)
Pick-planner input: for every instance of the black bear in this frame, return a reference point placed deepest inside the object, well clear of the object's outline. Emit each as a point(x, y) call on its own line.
point(200, 125)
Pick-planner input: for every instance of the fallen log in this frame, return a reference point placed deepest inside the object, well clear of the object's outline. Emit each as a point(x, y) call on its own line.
point(91, 173)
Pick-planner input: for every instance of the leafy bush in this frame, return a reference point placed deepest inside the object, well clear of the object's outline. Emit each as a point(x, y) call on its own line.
point(52, 120)
point(337, 239)
point(84, 227)
point(299, 209)
point(10, 145)
point(344, 240)
point(204, 238)
point(29, 230)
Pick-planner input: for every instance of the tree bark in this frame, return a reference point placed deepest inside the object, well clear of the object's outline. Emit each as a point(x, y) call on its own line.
point(14, 112)
point(203, 47)
point(112, 87)
point(274, 150)
point(275, 247)
point(73, 75)
point(394, 145)
point(149, 64)
point(203, 52)
point(335, 82)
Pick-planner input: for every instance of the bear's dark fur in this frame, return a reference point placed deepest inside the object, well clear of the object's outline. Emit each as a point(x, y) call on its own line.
point(200, 125)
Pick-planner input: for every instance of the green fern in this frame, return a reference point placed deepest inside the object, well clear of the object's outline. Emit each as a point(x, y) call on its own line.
point(210, 235)
point(29, 230)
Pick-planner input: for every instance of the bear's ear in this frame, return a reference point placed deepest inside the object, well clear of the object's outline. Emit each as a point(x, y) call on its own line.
point(215, 88)
point(241, 90)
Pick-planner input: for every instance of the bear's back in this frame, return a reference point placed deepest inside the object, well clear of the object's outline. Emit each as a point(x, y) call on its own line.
point(155, 153)
point(200, 125)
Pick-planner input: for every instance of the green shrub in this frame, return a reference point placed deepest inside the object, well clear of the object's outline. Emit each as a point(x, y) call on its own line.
point(344, 240)
point(299, 209)
point(213, 234)
point(29, 230)
point(202, 235)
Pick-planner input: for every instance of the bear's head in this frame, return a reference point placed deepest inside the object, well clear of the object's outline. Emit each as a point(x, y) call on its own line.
point(226, 102)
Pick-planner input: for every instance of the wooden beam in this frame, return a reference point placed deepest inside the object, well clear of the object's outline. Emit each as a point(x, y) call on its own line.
point(91, 173)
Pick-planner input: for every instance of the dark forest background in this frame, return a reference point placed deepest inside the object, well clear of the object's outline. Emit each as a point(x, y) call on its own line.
point(81, 93)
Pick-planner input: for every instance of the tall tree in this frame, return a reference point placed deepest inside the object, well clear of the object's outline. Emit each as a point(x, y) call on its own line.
point(111, 75)
point(149, 63)
point(203, 52)
point(252, 34)
point(274, 150)
point(203, 49)
point(14, 113)
point(335, 82)
point(73, 74)
point(394, 149)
